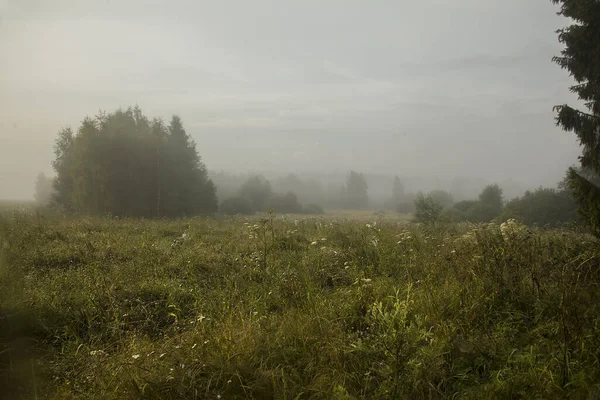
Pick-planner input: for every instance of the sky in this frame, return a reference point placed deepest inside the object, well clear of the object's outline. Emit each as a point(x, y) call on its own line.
point(421, 88)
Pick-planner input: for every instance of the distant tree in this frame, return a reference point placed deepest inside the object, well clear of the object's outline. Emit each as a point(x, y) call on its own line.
point(581, 57)
point(398, 195)
point(427, 210)
point(191, 192)
point(63, 165)
point(285, 204)
point(237, 206)
point(488, 207)
point(545, 207)
point(442, 197)
point(356, 191)
point(124, 164)
point(490, 203)
point(43, 189)
point(258, 190)
point(313, 209)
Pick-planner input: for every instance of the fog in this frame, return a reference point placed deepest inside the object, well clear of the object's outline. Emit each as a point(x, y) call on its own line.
point(434, 89)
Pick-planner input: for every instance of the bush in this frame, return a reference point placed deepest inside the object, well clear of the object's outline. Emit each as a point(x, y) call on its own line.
point(547, 207)
point(237, 205)
point(313, 209)
point(488, 207)
point(258, 191)
point(427, 210)
point(285, 204)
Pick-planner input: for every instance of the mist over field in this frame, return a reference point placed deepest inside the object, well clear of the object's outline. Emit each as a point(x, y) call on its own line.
point(280, 199)
point(431, 91)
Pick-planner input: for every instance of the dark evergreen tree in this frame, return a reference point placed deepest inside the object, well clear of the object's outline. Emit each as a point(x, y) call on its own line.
point(581, 57)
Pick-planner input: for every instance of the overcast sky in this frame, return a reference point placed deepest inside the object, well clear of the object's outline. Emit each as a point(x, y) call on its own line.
point(431, 87)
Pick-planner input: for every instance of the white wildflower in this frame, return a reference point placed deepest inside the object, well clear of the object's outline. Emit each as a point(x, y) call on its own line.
point(135, 356)
point(313, 243)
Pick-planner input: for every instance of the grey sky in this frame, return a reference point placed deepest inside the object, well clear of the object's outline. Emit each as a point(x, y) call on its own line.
point(430, 87)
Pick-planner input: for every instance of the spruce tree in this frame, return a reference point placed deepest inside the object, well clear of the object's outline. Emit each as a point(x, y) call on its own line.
point(581, 57)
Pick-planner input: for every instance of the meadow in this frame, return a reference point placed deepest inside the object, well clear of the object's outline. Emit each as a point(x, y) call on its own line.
point(330, 307)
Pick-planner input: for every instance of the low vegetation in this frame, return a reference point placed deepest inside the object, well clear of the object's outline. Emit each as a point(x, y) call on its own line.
point(283, 308)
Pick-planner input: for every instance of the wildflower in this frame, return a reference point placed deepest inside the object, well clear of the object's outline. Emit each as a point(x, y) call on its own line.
point(97, 353)
point(368, 225)
point(135, 356)
point(313, 243)
point(194, 346)
point(366, 280)
point(323, 239)
point(453, 252)
point(162, 355)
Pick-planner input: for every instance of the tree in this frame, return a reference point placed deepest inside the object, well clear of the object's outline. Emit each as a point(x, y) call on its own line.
point(43, 189)
point(63, 166)
point(285, 204)
point(356, 191)
point(126, 165)
point(258, 190)
point(546, 207)
point(427, 210)
point(581, 57)
point(490, 203)
point(488, 207)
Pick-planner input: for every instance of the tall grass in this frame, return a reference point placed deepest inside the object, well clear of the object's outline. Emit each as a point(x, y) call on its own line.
point(312, 308)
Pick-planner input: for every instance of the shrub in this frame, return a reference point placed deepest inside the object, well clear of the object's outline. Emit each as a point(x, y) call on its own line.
point(285, 204)
point(237, 205)
point(542, 207)
point(313, 209)
point(427, 210)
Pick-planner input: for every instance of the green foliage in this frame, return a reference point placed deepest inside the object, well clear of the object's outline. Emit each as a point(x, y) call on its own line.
point(285, 204)
point(123, 164)
point(487, 208)
point(581, 57)
point(237, 206)
point(305, 308)
point(313, 209)
point(258, 190)
point(544, 207)
point(427, 210)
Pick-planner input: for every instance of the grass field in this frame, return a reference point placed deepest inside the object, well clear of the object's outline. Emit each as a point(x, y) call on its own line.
point(327, 308)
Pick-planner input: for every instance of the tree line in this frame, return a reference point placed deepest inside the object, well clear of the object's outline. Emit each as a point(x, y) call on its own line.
point(125, 164)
